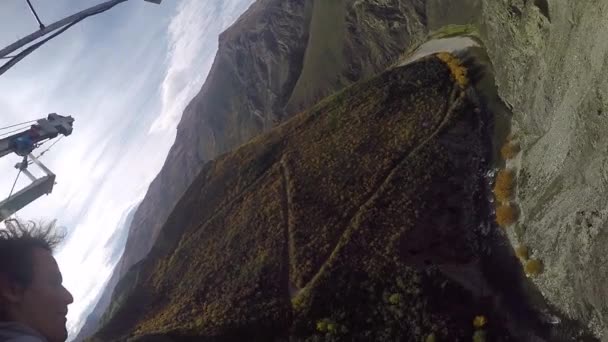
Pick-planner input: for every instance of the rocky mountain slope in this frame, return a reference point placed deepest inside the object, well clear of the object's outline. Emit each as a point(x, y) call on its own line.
point(273, 62)
point(551, 63)
point(550, 60)
point(262, 71)
point(348, 222)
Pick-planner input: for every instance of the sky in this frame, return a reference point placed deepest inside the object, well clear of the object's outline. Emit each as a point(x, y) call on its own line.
point(125, 76)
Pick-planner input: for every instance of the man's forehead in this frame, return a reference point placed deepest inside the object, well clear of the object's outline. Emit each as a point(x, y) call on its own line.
point(43, 258)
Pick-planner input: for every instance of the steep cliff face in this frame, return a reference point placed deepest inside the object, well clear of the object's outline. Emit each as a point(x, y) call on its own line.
point(351, 221)
point(551, 61)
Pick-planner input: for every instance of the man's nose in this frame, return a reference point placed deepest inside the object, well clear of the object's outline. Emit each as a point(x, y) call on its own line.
point(68, 296)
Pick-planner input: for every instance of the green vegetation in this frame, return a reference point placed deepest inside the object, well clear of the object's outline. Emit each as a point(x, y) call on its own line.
point(449, 31)
point(322, 326)
point(480, 321)
point(394, 299)
point(479, 336)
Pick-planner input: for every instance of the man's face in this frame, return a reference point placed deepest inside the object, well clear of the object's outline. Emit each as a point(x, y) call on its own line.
point(43, 305)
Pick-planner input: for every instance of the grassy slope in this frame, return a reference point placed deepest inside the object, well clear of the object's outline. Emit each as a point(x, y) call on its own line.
point(333, 217)
point(454, 31)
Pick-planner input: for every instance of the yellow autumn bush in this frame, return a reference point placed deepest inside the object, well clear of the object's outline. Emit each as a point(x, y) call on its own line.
point(533, 267)
point(522, 252)
point(504, 185)
point(506, 214)
point(509, 150)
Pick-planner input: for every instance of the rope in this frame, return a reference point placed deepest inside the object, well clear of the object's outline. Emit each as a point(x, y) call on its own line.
point(13, 131)
point(53, 144)
point(15, 183)
point(30, 162)
point(42, 143)
point(23, 123)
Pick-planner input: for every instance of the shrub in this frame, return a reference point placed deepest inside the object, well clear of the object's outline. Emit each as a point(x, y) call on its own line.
point(459, 72)
point(506, 215)
point(522, 252)
point(512, 136)
point(479, 321)
point(394, 299)
point(479, 336)
point(533, 267)
point(322, 326)
point(327, 325)
point(509, 150)
point(504, 185)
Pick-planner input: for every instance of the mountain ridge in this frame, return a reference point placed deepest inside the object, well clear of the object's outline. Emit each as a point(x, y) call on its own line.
point(219, 118)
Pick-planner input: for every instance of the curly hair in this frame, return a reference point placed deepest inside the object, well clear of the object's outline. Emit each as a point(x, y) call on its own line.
point(17, 241)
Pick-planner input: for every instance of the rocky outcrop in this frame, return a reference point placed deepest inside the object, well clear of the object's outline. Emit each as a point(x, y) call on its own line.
point(272, 63)
point(551, 61)
point(362, 218)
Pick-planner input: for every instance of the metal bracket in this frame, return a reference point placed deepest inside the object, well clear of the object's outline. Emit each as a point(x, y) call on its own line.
point(38, 187)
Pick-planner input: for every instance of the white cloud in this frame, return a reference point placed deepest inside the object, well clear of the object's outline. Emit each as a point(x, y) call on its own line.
point(193, 42)
point(126, 77)
point(189, 43)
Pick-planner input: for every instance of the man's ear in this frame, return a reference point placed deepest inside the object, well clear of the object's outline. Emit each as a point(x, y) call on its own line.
point(10, 291)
